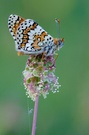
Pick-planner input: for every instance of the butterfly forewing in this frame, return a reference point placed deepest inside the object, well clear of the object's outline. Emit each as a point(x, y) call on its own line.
point(14, 22)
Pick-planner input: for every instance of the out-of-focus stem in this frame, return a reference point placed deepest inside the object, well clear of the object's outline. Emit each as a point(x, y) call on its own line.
point(35, 116)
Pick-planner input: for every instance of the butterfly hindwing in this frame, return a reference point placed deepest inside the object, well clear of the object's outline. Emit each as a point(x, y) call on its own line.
point(31, 38)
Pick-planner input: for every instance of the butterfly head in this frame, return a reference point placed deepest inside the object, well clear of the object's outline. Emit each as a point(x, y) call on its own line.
point(59, 42)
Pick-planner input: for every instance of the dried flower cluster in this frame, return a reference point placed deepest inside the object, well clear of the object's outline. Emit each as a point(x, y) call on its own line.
point(39, 77)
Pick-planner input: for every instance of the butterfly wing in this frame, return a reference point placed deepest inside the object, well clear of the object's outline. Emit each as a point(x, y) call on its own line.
point(30, 38)
point(14, 22)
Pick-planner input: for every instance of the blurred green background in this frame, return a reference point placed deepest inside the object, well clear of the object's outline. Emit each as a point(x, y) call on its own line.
point(63, 113)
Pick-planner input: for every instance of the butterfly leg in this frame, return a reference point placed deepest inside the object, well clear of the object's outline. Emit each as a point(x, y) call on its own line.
point(43, 55)
point(20, 53)
point(56, 56)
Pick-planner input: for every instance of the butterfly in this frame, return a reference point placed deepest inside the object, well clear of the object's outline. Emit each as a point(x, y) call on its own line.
point(31, 38)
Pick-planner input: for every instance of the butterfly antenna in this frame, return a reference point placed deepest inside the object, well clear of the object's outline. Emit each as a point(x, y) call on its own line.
point(58, 26)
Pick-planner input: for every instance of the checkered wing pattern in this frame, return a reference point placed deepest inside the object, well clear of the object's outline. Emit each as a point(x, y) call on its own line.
point(29, 37)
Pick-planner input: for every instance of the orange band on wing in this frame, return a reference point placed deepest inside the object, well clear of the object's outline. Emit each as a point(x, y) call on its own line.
point(35, 45)
point(17, 25)
point(39, 38)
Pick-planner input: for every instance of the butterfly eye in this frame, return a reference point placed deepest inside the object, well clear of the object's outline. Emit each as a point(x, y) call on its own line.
point(60, 42)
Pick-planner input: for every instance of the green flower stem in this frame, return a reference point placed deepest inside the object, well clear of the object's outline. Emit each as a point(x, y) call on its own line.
point(35, 116)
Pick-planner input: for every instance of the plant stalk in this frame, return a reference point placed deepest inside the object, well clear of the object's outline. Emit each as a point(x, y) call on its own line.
point(35, 116)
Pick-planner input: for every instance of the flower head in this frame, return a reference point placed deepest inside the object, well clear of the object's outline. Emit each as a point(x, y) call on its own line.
point(39, 77)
